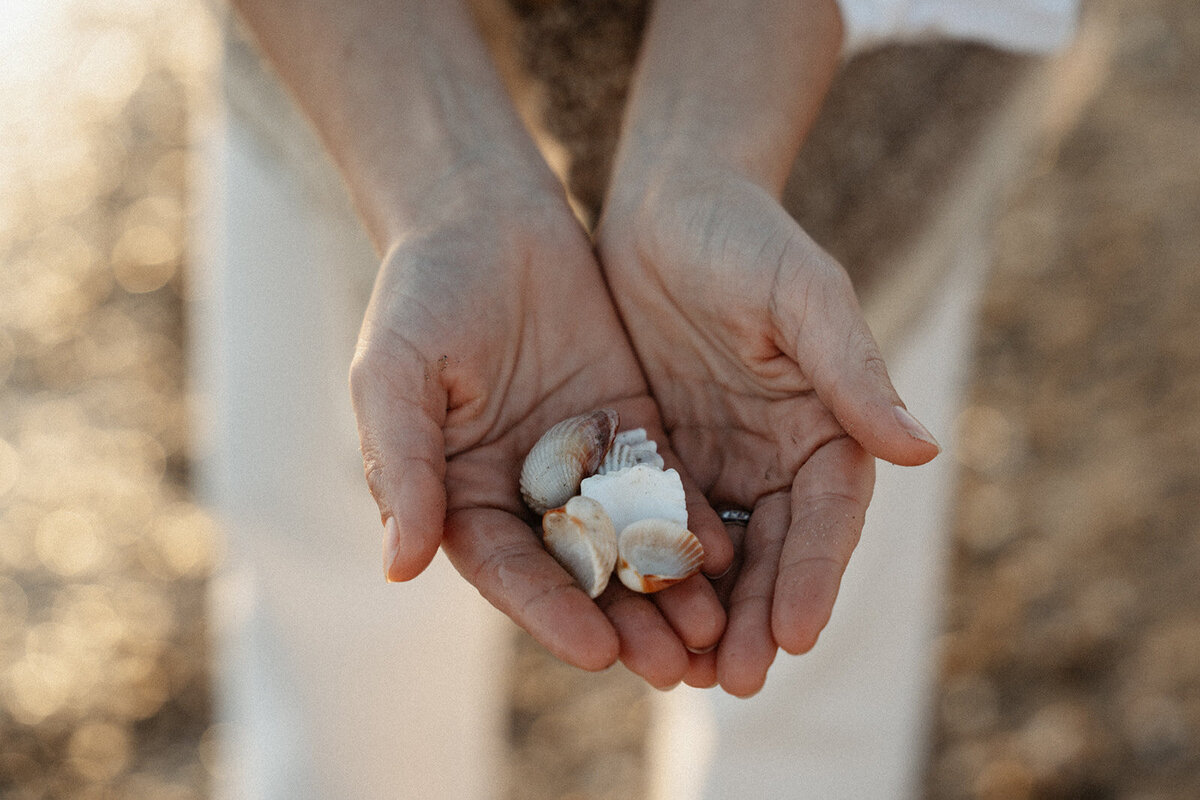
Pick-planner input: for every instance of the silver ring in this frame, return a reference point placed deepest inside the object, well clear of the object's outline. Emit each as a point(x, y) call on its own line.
point(738, 516)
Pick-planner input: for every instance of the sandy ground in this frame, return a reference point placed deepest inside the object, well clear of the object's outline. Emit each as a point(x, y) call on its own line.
point(1071, 661)
point(1071, 658)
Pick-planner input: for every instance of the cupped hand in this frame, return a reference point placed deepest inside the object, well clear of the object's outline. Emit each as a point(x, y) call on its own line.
point(487, 325)
point(772, 390)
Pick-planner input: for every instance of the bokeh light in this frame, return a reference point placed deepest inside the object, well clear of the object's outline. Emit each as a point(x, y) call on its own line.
point(103, 557)
point(10, 467)
point(69, 543)
point(99, 751)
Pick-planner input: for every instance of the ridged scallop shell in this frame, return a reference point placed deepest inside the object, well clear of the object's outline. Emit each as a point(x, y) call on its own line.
point(653, 554)
point(581, 538)
point(629, 449)
point(639, 492)
point(565, 455)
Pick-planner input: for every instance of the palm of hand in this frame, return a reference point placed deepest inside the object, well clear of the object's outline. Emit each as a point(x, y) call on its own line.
point(478, 339)
point(714, 292)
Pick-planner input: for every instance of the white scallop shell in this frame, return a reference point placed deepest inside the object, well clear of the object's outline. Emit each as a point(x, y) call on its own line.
point(582, 539)
point(638, 492)
point(629, 449)
point(653, 554)
point(565, 455)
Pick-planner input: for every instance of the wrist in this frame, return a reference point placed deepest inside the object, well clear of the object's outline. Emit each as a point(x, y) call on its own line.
point(407, 101)
point(653, 192)
point(730, 84)
point(470, 188)
point(435, 128)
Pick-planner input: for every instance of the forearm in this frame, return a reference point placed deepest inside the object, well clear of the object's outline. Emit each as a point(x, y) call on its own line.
point(406, 99)
point(730, 83)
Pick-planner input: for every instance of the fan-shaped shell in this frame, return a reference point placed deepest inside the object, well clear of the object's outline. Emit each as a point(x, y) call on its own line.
point(565, 455)
point(629, 449)
point(653, 554)
point(581, 538)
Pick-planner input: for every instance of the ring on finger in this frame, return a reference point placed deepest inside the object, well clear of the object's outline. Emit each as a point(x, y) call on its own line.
point(736, 516)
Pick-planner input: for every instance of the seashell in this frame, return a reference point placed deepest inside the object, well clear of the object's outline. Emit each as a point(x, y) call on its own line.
point(629, 449)
point(582, 539)
point(632, 436)
point(653, 554)
point(638, 492)
point(565, 455)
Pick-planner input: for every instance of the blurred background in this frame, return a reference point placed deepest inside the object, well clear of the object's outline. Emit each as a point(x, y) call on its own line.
point(1071, 653)
point(103, 557)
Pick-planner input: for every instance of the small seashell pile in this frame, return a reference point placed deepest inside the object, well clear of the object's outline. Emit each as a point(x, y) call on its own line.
point(608, 504)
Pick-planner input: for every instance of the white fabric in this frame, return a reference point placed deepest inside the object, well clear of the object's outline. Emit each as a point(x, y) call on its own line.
point(1021, 25)
point(331, 684)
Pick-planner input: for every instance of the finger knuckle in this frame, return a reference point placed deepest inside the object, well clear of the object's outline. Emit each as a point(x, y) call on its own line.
point(374, 470)
point(363, 372)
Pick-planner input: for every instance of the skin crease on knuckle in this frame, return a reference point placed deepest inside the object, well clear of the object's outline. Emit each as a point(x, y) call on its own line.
point(373, 469)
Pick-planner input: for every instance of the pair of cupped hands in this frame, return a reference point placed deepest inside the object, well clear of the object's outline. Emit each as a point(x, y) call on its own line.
point(700, 311)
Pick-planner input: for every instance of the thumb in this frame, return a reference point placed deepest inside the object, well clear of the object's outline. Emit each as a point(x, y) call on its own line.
point(819, 318)
point(399, 411)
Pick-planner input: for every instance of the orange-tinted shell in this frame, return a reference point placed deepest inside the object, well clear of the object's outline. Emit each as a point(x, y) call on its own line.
point(656, 553)
point(565, 455)
point(581, 538)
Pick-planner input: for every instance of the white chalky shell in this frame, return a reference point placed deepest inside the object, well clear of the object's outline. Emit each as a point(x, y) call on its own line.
point(653, 554)
point(565, 455)
point(582, 539)
point(638, 492)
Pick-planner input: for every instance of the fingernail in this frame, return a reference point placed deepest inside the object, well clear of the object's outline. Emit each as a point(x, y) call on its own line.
point(913, 428)
point(391, 546)
point(703, 650)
